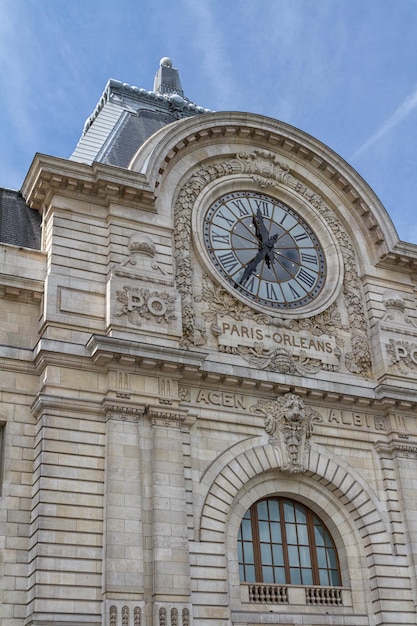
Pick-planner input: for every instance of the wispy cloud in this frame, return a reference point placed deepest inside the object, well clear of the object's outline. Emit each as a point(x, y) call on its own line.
point(403, 111)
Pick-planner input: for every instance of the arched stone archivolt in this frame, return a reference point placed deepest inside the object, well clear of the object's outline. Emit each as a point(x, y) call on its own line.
point(251, 470)
point(227, 480)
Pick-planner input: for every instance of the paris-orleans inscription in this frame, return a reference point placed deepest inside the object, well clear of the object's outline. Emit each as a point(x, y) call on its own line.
point(232, 334)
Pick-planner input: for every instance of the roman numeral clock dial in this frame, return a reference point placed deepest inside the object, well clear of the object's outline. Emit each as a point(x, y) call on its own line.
point(264, 250)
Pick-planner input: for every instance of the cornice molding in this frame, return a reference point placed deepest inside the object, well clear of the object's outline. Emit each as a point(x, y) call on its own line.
point(105, 184)
point(22, 289)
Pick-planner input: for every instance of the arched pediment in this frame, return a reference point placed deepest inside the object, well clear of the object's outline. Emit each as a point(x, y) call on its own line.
point(186, 144)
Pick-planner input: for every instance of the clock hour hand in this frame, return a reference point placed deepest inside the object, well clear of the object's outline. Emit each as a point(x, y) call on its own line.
point(263, 254)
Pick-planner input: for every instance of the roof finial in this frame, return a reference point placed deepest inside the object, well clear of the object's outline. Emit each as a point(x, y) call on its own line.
point(167, 79)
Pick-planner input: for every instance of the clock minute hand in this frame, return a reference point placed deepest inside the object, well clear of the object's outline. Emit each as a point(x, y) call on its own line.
point(261, 231)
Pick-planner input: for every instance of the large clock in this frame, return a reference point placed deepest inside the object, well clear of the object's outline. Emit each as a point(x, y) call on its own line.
point(264, 250)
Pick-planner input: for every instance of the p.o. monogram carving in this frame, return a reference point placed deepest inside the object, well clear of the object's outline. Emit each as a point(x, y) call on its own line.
point(289, 423)
point(140, 304)
point(402, 354)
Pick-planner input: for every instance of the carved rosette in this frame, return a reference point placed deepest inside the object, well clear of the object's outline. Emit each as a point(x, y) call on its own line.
point(265, 169)
point(289, 423)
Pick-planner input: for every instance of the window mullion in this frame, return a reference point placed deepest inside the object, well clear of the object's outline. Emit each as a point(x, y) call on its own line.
point(313, 547)
point(284, 543)
point(256, 542)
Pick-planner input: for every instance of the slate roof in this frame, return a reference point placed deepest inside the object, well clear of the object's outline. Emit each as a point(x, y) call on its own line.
point(124, 118)
point(19, 224)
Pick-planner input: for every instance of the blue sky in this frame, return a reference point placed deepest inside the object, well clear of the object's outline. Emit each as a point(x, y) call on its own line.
point(344, 71)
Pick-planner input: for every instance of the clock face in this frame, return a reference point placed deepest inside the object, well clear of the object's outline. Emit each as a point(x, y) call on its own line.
point(264, 250)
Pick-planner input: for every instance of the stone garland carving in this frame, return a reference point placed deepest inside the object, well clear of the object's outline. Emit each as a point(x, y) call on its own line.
point(265, 169)
point(279, 360)
point(141, 304)
point(182, 238)
point(137, 616)
point(289, 423)
point(162, 617)
point(185, 617)
point(174, 617)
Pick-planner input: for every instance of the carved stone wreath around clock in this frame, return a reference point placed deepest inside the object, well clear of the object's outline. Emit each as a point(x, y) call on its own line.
point(265, 169)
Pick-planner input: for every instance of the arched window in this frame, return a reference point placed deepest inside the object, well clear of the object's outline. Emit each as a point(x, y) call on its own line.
point(282, 541)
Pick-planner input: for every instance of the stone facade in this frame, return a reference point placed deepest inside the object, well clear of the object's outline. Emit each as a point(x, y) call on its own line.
point(145, 406)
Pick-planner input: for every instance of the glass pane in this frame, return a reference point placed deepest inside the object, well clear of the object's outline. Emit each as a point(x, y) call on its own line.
point(279, 575)
point(288, 512)
point(295, 578)
point(324, 577)
point(334, 578)
point(305, 557)
point(250, 574)
point(266, 554)
point(293, 556)
point(300, 513)
point(240, 552)
point(264, 531)
point(268, 574)
point(248, 552)
point(319, 535)
point(246, 528)
point(278, 555)
point(307, 576)
point(326, 537)
point(302, 535)
point(273, 510)
point(331, 554)
point(321, 557)
point(262, 510)
point(276, 532)
point(291, 533)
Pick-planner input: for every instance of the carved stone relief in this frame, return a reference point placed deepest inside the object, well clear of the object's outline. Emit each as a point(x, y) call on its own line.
point(141, 260)
point(132, 302)
point(141, 304)
point(265, 169)
point(289, 423)
point(398, 333)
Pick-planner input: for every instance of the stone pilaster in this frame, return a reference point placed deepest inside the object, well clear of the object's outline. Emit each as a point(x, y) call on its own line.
point(398, 459)
point(171, 567)
point(123, 550)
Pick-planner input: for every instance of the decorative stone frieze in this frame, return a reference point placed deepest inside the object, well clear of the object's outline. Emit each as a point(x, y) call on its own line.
point(161, 416)
point(289, 423)
point(128, 413)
